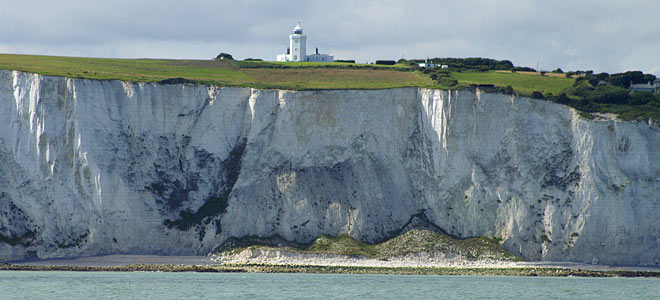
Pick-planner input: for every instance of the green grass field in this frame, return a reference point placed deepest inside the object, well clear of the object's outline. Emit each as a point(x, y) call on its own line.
point(259, 74)
point(294, 75)
point(521, 83)
point(304, 64)
point(301, 76)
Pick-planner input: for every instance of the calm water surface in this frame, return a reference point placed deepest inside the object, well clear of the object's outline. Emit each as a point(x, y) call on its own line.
point(145, 285)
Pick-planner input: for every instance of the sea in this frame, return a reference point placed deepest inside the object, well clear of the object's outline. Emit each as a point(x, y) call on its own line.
point(155, 285)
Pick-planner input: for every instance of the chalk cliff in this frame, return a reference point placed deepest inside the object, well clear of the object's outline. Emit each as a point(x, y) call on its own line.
point(97, 167)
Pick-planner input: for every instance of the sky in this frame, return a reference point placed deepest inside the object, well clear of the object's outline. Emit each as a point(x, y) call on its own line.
point(605, 36)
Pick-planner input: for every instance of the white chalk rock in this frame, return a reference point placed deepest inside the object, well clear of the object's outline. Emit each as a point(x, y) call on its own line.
point(108, 167)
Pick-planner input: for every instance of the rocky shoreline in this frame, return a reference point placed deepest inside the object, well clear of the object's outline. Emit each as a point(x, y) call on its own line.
point(270, 256)
point(265, 268)
point(328, 264)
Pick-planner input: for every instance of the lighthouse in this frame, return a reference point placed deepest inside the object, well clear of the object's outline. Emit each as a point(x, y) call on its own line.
point(298, 44)
point(297, 50)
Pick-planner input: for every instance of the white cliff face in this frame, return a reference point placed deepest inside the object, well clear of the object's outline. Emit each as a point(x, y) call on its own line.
point(96, 167)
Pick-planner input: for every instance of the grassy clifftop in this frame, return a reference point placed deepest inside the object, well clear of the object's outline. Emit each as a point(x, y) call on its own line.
point(578, 93)
point(279, 75)
point(296, 76)
point(522, 82)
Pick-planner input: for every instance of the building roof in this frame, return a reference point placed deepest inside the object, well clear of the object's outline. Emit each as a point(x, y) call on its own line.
point(298, 29)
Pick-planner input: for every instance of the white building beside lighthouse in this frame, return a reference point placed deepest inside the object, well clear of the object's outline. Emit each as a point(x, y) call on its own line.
point(297, 50)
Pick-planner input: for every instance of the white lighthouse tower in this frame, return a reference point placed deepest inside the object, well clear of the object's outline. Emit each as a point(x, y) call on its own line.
point(297, 50)
point(298, 44)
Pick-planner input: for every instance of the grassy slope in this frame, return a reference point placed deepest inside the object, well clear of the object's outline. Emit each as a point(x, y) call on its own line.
point(303, 78)
point(304, 64)
point(223, 73)
point(524, 83)
point(289, 75)
point(141, 70)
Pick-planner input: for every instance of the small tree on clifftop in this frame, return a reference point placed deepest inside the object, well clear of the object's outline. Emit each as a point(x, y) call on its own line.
point(224, 56)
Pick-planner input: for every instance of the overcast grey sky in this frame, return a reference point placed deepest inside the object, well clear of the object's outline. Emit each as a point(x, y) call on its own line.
point(608, 36)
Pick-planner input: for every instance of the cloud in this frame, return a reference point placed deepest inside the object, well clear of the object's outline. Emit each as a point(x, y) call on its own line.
point(610, 36)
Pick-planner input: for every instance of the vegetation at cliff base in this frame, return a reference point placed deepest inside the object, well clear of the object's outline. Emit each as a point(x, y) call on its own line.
point(413, 242)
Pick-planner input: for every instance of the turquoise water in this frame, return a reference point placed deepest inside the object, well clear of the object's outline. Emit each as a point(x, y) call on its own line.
point(145, 285)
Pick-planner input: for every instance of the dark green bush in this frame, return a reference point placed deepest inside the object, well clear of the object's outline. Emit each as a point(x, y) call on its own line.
point(523, 69)
point(624, 79)
point(447, 81)
point(641, 98)
point(472, 63)
point(582, 88)
point(537, 95)
point(563, 99)
point(609, 94)
point(224, 56)
point(385, 62)
point(619, 79)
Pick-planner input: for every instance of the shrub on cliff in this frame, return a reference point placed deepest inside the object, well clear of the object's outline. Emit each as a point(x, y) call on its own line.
point(641, 98)
point(472, 63)
point(609, 94)
point(624, 79)
point(563, 99)
point(447, 81)
point(523, 69)
point(582, 88)
point(537, 95)
point(385, 62)
point(224, 56)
